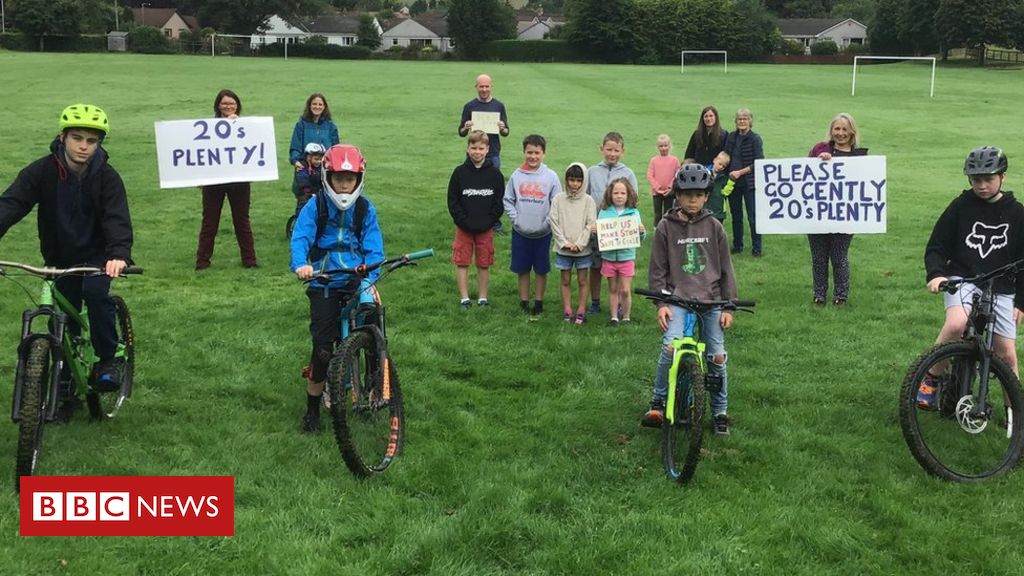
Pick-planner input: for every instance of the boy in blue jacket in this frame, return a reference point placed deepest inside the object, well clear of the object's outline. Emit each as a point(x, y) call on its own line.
point(339, 230)
point(528, 196)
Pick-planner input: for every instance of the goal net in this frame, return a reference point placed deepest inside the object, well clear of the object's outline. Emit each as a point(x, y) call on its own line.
point(701, 57)
point(858, 59)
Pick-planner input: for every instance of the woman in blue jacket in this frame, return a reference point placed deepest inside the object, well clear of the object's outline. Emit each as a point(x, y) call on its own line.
point(315, 125)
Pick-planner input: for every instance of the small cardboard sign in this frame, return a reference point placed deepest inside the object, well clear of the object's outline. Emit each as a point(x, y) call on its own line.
point(616, 233)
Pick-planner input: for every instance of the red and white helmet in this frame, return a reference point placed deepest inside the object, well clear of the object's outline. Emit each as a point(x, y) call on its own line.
point(343, 158)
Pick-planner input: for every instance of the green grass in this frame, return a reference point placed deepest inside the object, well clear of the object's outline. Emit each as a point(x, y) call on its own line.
point(523, 454)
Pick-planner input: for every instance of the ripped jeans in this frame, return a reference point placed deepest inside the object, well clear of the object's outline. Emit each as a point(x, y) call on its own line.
point(714, 340)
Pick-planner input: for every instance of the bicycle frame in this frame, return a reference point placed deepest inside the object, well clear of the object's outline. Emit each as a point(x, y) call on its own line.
point(980, 322)
point(689, 345)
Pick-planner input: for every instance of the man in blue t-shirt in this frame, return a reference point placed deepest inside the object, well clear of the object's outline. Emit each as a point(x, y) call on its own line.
point(485, 103)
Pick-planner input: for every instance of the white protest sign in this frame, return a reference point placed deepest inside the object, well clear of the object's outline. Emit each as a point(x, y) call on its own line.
point(215, 151)
point(486, 121)
point(615, 233)
point(846, 194)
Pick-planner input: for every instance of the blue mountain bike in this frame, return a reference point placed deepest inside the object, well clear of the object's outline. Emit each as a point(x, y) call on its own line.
point(363, 393)
point(682, 432)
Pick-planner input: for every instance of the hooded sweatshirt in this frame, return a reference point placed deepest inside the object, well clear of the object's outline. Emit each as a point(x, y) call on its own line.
point(601, 174)
point(974, 236)
point(81, 219)
point(572, 214)
point(475, 196)
point(528, 197)
point(691, 259)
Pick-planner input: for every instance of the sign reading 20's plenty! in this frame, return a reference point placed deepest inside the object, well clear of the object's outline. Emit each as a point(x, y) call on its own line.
point(215, 151)
point(846, 194)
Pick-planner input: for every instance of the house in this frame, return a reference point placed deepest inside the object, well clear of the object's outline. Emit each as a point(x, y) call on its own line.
point(807, 31)
point(166, 19)
point(338, 28)
point(423, 30)
point(537, 27)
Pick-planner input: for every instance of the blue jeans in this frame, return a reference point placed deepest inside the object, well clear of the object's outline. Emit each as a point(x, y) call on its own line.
point(738, 197)
point(714, 340)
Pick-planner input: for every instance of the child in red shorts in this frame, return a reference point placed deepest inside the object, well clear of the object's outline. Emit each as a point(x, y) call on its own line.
point(475, 202)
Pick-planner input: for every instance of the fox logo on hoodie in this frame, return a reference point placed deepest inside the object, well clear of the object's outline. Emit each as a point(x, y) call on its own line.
point(987, 238)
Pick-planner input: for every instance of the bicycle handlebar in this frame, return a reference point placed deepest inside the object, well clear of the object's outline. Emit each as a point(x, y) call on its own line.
point(952, 285)
point(699, 304)
point(363, 270)
point(52, 273)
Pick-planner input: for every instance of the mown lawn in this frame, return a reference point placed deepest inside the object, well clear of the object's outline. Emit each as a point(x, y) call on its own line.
point(523, 452)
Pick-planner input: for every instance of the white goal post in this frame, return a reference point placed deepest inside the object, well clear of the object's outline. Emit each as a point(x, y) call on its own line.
point(931, 91)
point(682, 58)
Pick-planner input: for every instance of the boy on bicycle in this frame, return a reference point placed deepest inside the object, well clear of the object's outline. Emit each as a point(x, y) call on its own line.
point(690, 259)
point(982, 229)
point(337, 230)
point(308, 180)
point(83, 219)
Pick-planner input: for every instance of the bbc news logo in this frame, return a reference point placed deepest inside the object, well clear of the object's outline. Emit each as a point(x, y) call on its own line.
point(127, 506)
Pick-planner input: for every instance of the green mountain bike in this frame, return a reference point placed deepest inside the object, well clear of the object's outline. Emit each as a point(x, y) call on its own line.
point(682, 433)
point(55, 363)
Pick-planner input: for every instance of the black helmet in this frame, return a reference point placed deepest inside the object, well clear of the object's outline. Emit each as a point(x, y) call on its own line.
point(986, 160)
point(691, 177)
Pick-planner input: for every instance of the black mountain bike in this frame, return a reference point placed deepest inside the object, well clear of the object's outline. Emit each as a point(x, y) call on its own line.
point(973, 428)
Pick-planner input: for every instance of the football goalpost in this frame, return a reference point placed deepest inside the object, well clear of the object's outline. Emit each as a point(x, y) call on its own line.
point(682, 58)
point(245, 44)
point(931, 91)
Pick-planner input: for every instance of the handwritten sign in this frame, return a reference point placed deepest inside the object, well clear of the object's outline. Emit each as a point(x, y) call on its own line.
point(615, 233)
point(215, 151)
point(486, 121)
point(811, 196)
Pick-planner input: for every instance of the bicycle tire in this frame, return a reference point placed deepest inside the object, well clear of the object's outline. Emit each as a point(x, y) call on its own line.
point(35, 382)
point(952, 443)
point(366, 405)
point(107, 405)
point(681, 440)
point(289, 225)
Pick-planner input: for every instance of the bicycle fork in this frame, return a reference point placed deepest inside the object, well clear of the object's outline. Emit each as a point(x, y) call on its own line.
point(688, 345)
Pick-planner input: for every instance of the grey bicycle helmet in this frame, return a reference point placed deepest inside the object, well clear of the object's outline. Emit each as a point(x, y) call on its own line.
point(691, 177)
point(985, 161)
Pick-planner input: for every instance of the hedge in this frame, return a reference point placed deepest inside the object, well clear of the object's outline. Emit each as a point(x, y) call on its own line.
point(26, 43)
point(329, 51)
point(531, 51)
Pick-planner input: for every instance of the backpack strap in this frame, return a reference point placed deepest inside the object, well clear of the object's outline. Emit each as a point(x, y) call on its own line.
point(358, 218)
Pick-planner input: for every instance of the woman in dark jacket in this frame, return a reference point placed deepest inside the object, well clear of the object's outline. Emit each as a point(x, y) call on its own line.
point(226, 105)
point(707, 140)
point(744, 146)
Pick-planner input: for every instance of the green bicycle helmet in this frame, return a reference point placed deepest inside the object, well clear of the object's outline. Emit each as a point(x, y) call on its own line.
point(84, 116)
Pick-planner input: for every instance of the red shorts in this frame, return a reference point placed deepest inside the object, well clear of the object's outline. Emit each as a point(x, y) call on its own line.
point(466, 244)
point(625, 269)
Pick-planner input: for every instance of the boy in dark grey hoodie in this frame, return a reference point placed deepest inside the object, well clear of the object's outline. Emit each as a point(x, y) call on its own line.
point(690, 258)
point(528, 196)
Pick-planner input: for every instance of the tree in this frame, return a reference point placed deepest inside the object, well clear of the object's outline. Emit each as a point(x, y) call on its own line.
point(975, 23)
point(862, 11)
point(418, 7)
point(41, 18)
point(605, 29)
point(885, 31)
point(227, 16)
point(367, 35)
point(473, 22)
point(917, 26)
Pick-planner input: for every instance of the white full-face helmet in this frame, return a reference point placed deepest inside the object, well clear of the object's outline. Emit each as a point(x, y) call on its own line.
point(343, 158)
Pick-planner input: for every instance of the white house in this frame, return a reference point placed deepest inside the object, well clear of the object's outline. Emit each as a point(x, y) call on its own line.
point(167, 20)
point(807, 31)
point(423, 30)
point(279, 30)
point(338, 28)
point(537, 28)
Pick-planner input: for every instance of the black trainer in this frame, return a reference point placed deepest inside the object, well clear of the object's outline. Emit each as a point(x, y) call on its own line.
point(721, 425)
point(311, 423)
point(107, 375)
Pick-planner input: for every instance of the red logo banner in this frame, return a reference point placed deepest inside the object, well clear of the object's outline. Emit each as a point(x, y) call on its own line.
point(127, 506)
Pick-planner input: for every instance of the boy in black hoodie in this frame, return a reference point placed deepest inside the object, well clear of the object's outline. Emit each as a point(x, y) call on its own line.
point(981, 230)
point(83, 220)
point(475, 193)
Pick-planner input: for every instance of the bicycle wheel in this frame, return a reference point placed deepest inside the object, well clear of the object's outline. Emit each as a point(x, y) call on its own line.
point(957, 439)
point(35, 382)
point(366, 405)
point(681, 439)
point(107, 404)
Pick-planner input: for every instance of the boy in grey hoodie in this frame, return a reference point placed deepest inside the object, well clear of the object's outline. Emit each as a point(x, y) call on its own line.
point(528, 196)
point(690, 258)
point(599, 176)
point(572, 215)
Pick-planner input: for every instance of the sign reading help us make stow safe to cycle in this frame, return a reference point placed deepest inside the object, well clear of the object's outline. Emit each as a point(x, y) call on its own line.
point(846, 194)
point(215, 151)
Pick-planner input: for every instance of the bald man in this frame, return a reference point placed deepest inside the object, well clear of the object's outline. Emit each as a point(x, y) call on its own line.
point(485, 103)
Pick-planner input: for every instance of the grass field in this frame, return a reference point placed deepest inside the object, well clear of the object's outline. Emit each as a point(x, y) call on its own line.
point(523, 452)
